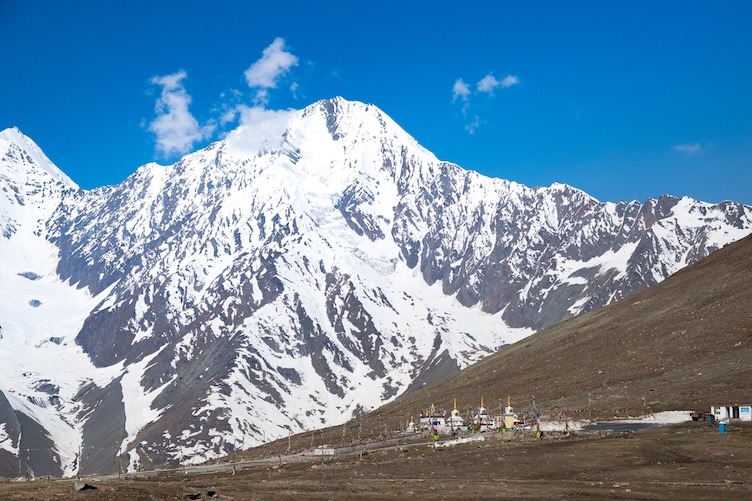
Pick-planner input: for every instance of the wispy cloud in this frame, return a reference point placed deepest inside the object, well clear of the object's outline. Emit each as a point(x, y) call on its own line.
point(175, 127)
point(473, 126)
point(509, 81)
point(177, 130)
point(336, 74)
point(689, 148)
point(462, 91)
point(488, 83)
point(267, 126)
point(264, 74)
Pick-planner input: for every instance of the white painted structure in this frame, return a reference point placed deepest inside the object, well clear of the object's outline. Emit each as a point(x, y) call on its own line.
point(455, 421)
point(727, 412)
point(433, 419)
point(483, 421)
point(745, 412)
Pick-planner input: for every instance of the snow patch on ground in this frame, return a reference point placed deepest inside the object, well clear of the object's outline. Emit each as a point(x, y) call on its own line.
point(562, 426)
point(458, 441)
point(665, 417)
point(658, 418)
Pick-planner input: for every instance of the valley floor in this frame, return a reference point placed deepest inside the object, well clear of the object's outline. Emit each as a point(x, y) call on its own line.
point(682, 461)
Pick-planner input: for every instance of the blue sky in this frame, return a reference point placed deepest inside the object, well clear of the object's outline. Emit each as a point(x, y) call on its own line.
point(622, 99)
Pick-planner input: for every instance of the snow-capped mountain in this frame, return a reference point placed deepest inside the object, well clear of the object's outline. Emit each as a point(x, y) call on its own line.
point(306, 268)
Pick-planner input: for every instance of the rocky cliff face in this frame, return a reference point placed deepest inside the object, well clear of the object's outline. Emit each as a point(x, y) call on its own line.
point(307, 267)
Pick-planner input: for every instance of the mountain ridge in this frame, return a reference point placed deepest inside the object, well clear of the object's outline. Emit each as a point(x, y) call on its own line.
point(282, 281)
point(679, 345)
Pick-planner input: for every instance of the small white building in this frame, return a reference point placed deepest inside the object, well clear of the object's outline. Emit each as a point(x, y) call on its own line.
point(740, 412)
point(745, 412)
point(434, 419)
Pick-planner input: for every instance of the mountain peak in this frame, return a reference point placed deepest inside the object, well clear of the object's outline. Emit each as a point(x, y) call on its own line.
point(338, 102)
point(262, 130)
point(342, 107)
point(33, 154)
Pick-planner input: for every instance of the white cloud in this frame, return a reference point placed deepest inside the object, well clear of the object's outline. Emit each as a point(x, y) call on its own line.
point(264, 73)
point(460, 89)
point(175, 127)
point(228, 116)
point(261, 118)
point(262, 97)
point(509, 81)
point(259, 129)
point(689, 148)
point(487, 84)
point(473, 126)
